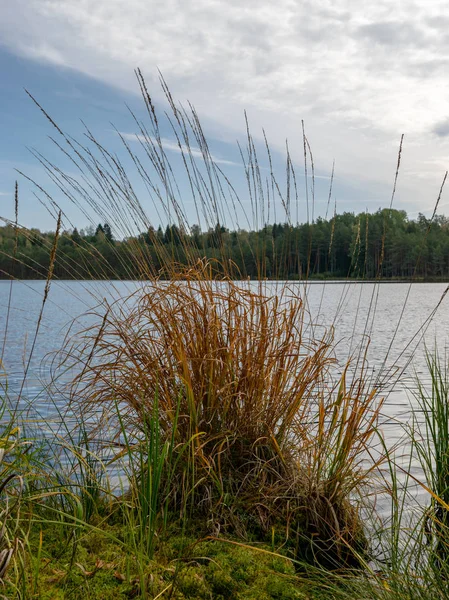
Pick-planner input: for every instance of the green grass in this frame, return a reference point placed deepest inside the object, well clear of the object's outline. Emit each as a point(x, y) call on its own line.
point(431, 443)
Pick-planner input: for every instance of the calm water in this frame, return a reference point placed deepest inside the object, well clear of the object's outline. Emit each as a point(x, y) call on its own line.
point(397, 318)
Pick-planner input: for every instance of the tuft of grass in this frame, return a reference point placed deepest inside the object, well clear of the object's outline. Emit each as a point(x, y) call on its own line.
point(150, 464)
point(431, 444)
point(234, 389)
point(8, 540)
point(12, 534)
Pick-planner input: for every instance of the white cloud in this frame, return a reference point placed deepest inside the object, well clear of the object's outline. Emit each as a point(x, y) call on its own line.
point(172, 145)
point(358, 73)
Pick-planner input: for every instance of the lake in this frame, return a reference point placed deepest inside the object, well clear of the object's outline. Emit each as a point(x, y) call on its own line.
point(397, 318)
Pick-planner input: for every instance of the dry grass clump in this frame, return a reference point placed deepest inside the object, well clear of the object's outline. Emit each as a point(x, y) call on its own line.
point(240, 360)
point(238, 376)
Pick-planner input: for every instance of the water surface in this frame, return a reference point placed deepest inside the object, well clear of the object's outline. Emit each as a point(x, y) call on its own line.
point(398, 319)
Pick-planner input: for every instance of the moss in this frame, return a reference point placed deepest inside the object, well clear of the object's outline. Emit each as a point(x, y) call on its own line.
point(93, 563)
point(192, 584)
point(222, 583)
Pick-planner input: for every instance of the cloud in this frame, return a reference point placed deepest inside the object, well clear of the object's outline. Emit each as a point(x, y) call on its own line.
point(392, 34)
point(180, 149)
point(358, 73)
point(173, 146)
point(441, 129)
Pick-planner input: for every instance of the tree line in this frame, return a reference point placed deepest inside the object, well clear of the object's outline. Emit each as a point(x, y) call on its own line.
point(385, 244)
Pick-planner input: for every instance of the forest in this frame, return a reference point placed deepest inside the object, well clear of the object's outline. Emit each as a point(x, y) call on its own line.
point(385, 244)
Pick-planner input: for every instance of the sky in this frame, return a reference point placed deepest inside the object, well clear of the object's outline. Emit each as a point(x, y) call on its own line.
point(358, 74)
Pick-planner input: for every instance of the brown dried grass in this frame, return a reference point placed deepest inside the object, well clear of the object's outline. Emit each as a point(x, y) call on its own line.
point(239, 358)
point(241, 378)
